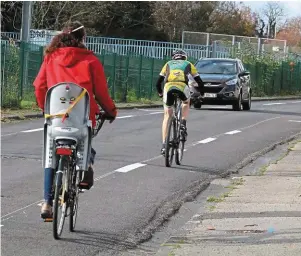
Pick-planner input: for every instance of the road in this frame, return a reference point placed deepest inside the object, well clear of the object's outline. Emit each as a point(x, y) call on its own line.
point(133, 192)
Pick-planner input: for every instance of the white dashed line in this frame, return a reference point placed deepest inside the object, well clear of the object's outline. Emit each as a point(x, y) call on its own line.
point(121, 117)
point(295, 121)
point(233, 132)
point(33, 130)
point(104, 175)
point(130, 167)
point(275, 103)
point(35, 203)
point(154, 113)
point(294, 102)
point(206, 140)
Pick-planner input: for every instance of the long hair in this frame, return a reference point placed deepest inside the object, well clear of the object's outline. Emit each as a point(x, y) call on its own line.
point(72, 36)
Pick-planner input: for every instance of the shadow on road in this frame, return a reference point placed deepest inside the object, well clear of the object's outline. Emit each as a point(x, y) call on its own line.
point(189, 168)
point(101, 240)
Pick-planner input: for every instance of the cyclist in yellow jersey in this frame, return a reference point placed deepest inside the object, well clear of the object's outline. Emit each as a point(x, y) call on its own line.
point(175, 76)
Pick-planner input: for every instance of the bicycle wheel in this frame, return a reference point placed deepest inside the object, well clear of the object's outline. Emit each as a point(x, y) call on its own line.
point(60, 203)
point(169, 147)
point(180, 149)
point(180, 145)
point(74, 200)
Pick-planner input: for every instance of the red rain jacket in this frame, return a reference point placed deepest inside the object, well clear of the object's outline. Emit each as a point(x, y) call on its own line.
point(80, 66)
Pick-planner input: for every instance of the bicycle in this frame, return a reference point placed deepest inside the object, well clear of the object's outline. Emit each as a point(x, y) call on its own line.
point(175, 139)
point(66, 181)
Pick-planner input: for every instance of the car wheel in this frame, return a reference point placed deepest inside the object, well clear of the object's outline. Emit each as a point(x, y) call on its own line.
point(237, 106)
point(247, 105)
point(197, 105)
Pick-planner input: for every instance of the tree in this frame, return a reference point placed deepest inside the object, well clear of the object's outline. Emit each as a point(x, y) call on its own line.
point(273, 12)
point(172, 18)
point(11, 14)
point(291, 31)
point(231, 18)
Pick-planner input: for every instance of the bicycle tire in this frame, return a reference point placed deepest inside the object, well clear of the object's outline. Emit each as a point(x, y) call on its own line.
point(74, 201)
point(57, 231)
point(169, 146)
point(180, 147)
point(180, 144)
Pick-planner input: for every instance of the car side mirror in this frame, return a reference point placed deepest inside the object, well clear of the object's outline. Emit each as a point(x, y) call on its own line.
point(244, 73)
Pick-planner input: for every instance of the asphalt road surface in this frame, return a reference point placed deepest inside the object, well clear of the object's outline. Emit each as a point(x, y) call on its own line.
point(133, 191)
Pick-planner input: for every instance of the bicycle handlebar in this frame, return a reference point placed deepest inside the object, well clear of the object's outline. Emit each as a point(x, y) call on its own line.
point(100, 119)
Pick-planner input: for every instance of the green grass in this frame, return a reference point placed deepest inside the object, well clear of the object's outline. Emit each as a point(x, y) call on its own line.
point(213, 199)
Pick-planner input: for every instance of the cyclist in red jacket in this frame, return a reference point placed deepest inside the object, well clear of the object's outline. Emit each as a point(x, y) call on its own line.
point(67, 59)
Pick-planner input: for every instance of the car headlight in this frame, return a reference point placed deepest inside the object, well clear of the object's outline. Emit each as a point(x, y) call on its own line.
point(232, 82)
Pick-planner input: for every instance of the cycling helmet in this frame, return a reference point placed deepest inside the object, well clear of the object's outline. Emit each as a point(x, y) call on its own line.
point(179, 55)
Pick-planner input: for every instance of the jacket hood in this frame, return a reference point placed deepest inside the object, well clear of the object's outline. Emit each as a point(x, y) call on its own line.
point(69, 56)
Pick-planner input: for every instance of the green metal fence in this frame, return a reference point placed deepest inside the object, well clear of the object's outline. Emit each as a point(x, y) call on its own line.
point(130, 77)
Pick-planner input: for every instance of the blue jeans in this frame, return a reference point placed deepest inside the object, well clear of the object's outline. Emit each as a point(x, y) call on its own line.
point(48, 179)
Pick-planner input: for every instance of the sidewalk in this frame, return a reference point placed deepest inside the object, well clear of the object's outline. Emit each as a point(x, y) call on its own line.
point(261, 215)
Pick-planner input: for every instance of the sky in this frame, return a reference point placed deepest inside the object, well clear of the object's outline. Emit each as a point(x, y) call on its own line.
point(292, 8)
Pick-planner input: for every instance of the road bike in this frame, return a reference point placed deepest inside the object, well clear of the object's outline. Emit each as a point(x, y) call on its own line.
point(66, 182)
point(175, 140)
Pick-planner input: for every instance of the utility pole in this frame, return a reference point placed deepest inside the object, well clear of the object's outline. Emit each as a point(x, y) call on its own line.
point(26, 20)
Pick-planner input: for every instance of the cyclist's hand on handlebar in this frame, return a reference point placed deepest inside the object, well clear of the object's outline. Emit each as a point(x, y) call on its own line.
point(105, 116)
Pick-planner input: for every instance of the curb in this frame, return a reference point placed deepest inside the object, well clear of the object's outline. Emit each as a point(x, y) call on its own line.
point(27, 116)
point(39, 115)
point(277, 98)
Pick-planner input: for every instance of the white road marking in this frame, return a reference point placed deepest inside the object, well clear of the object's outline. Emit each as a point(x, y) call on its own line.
point(20, 209)
point(206, 140)
point(263, 121)
point(154, 113)
point(294, 102)
point(145, 110)
point(130, 167)
point(34, 130)
point(104, 175)
point(233, 132)
point(121, 117)
point(275, 103)
point(9, 134)
point(295, 121)
point(1, 225)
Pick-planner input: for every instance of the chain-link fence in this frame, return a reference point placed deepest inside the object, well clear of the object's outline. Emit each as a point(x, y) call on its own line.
point(130, 77)
point(260, 44)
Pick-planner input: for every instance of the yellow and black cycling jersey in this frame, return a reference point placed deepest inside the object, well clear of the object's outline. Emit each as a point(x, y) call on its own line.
point(177, 71)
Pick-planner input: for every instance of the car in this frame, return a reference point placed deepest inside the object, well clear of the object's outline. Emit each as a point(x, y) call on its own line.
point(226, 82)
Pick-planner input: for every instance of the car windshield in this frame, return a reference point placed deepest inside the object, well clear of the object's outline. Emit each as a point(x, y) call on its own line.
point(216, 67)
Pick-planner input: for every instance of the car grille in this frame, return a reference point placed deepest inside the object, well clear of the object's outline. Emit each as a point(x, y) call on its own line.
point(213, 89)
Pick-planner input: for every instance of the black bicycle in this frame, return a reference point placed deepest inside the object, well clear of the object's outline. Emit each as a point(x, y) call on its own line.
point(66, 180)
point(175, 140)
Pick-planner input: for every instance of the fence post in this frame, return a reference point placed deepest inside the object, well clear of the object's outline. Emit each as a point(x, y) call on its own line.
point(114, 75)
point(214, 46)
point(152, 76)
point(21, 75)
point(208, 46)
point(127, 62)
point(140, 74)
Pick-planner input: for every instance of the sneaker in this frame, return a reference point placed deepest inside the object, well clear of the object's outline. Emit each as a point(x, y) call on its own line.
point(163, 149)
point(46, 211)
point(88, 180)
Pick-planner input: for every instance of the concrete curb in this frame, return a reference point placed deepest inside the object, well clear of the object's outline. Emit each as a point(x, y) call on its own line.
point(39, 115)
point(276, 98)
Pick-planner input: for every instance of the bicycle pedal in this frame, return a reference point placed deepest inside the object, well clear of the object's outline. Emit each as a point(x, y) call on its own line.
point(48, 219)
